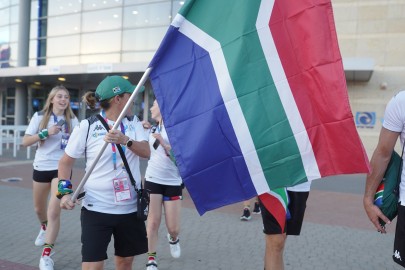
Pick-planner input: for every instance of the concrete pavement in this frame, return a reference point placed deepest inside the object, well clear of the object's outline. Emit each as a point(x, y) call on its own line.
point(336, 233)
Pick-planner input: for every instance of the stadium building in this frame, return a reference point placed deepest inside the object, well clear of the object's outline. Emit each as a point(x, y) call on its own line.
point(77, 43)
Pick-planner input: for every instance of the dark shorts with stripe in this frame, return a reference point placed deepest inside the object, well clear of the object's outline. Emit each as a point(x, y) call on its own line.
point(165, 190)
point(97, 228)
point(399, 241)
point(297, 205)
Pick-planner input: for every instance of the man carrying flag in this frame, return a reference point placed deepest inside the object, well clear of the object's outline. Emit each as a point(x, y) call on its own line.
point(260, 89)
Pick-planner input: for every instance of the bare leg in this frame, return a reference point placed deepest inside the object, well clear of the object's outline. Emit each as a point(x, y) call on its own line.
point(246, 204)
point(154, 219)
point(93, 265)
point(40, 196)
point(123, 263)
point(172, 215)
point(273, 258)
point(53, 215)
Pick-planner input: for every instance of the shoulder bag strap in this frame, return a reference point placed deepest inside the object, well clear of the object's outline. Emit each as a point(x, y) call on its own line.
point(124, 159)
point(396, 189)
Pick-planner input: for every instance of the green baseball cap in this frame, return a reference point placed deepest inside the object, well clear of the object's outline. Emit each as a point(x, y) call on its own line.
point(112, 86)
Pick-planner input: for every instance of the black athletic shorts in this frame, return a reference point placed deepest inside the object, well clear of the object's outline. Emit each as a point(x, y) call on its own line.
point(129, 235)
point(44, 176)
point(297, 205)
point(169, 193)
point(399, 241)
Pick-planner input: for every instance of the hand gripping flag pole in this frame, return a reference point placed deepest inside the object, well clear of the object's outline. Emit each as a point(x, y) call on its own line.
point(117, 123)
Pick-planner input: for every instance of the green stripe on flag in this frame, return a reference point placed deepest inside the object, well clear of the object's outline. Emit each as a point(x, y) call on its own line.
point(379, 194)
point(233, 24)
point(281, 194)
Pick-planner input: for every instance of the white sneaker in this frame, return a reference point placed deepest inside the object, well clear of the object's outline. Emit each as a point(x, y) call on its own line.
point(175, 249)
point(46, 263)
point(40, 241)
point(151, 265)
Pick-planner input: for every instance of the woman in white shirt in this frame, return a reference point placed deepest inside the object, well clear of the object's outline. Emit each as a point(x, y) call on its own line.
point(109, 206)
point(164, 185)
point(50, 130)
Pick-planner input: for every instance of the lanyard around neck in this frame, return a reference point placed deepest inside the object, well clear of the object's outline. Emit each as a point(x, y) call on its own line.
point(160, 127)
point(113, 147)
point(55, 120)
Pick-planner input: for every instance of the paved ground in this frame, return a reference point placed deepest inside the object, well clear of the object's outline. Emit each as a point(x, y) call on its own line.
point(336, 233)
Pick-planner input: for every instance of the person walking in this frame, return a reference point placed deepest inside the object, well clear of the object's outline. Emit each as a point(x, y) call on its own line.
point(50, 130)
point(392, 128)
point(109, 207)
point(164, 185)
point(246, 209)
point(275, 237)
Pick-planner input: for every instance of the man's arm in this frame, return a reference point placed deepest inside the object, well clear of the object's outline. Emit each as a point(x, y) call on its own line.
point(378, 163)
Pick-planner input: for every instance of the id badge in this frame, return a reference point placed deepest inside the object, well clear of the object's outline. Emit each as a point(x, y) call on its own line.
point(64, 140)
point(122, 190)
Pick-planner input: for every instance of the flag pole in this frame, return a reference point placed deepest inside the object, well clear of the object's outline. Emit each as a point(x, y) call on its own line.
point(117, 123)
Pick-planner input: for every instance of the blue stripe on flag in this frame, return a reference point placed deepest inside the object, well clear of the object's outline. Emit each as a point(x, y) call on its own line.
point(191, 116)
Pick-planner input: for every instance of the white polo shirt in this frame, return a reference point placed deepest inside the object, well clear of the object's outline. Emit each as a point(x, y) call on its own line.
point(100, 194)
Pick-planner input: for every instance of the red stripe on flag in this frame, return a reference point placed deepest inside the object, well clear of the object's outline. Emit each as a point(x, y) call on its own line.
point(275, 207)
point(305, 37)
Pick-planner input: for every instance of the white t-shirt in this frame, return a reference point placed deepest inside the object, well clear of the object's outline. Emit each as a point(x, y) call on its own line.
point(394, 120)
point(101, 195)
point(49, 152)
point(161, 169)
point(304, 187)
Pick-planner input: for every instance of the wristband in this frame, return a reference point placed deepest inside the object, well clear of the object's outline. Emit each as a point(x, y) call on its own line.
point(43, 134)
point(64, 188)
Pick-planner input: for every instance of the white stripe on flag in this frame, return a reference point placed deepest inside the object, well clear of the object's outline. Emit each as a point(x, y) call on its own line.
point(177, 21)
point(284, 91)
point(213, 47)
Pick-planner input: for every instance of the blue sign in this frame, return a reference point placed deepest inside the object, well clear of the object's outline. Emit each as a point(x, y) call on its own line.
point(365, 119)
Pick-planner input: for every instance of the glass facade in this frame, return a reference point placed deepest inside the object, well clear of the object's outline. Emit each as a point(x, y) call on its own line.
point(8, 32)
point(76, 32)
point(95, 31)
point(86, 31)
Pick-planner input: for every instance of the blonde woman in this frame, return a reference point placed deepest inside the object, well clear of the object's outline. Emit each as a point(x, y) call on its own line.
point(164, 185)
point(50, 130)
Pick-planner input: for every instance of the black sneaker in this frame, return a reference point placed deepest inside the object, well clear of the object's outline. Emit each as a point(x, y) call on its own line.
point(256, 208)
point(246, 215)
